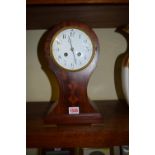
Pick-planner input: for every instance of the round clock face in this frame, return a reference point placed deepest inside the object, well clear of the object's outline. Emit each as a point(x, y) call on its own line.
point(72, 49)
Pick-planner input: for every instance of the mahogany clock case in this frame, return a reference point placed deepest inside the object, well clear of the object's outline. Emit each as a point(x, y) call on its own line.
point(72, 84)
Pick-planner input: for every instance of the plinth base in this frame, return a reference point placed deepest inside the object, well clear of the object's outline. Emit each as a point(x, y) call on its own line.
point(86, 118)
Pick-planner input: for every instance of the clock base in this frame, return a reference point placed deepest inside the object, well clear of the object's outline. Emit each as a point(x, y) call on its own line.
point(65, 119)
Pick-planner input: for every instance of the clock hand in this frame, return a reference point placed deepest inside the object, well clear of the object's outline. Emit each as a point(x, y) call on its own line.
point(72, 49)
point(74, 57)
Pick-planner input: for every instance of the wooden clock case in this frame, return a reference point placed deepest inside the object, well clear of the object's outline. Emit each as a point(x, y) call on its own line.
point(72, 84)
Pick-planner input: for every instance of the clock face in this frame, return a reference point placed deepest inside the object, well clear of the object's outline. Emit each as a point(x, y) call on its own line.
point(72, 49)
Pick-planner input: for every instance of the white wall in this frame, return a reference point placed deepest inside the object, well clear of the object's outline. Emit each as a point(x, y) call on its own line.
point(101, 85)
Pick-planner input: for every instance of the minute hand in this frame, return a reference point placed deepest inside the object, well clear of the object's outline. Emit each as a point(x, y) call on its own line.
point(69, 39)
point(72, 49)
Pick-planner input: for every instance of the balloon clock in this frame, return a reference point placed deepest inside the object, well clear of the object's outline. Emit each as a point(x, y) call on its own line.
point(71, 50)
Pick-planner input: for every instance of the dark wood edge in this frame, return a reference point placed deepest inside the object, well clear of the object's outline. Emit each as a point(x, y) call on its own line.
point(63, 2)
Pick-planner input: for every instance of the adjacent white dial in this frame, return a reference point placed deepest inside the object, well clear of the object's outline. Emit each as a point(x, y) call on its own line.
point(72, 49)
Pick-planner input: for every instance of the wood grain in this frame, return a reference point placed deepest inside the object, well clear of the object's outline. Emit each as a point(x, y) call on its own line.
point(114, 131)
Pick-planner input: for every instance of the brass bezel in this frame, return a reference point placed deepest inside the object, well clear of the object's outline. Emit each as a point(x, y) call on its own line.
point(65, 28)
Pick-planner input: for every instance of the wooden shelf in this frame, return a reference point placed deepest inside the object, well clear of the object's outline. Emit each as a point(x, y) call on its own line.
point(114, 131)
point(76, 1)
point(43, 14)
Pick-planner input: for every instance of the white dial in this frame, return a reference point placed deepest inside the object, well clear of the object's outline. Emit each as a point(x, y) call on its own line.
point(72, 49)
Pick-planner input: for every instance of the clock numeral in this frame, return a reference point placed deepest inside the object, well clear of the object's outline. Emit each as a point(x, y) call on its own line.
point(59, 57)
point(79, 36)
point(85, 57)
point(58, 43)
point(72, 33)
point(65, 62)
point(72, 65)
point(64, 36)
point(57, 49)
point(87, 49)
point(85, 41)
